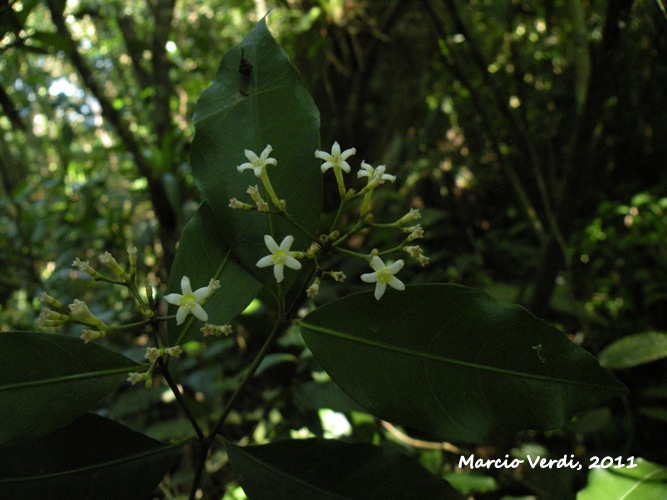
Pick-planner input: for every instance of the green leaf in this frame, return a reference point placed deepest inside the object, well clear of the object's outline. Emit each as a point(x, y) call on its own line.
point(635, 350)
point(647, 480)
point(278, 111)
point(453, 362)
point(48, 380)
point(316, 468)
point(91, 458)
point(202, 254)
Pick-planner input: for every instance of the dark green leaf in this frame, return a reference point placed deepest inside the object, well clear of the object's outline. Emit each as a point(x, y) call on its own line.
point(278, 111)
point(316, 468)
point(635, 350)
point(92, 457)
point(647, 480)
point(454, 362)
point(202, 255)
point(48, 380)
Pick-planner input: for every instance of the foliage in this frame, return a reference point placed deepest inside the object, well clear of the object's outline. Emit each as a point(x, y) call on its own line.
point(522, 139)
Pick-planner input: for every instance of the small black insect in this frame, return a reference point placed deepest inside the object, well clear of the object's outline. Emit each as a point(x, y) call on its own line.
point(245, 68)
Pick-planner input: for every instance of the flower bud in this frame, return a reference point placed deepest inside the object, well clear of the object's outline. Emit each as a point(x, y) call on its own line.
point(90, 335)
point(81, 314)
point(412, 215)
point(83, 265)
point(314, 288)
point(108, 260)
point(45, 298)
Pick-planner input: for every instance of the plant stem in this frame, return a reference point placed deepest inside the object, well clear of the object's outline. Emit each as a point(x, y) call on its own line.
point(179, 397)
point(206, 442)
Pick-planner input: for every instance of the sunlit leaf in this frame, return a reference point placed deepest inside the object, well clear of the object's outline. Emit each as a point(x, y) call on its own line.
point(92, 457)
point(635, 350)
point(268, 106)
point(647, 480)
point(48, 380)
point(316, 468)
point(203, 255)
point(453, 362)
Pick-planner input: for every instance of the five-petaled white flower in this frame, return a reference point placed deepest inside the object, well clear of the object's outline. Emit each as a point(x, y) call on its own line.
point(383, 276)
point(335, 159)
point(280, 256)
point(257, 163)
point(191, 302)
point(376, 176)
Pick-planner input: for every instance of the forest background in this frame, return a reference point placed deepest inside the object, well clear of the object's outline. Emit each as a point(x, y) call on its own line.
point(531, 134)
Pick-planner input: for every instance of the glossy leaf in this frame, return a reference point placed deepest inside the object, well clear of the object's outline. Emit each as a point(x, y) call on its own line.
point(453, 362)
point(48, 380)
point(268, 106)
point(317, 468)
point(92, 457)
point(635, 350)
point(647, 480)
point(203, 255)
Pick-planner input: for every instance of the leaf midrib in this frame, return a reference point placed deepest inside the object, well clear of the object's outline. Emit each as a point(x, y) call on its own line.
point(442, 359)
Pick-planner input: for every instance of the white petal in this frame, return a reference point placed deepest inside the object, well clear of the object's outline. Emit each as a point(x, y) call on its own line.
point(396, 266)
point(278, 272)
point(173, 298)
point(267, 151)
point(326, 166)
point(244, 166)
point(376, 263)
point(199, 312)
point(335, 149)
point(264, 261)
point(380, 287)
point(347, 153)
point(345, 166)
point(270, 243)
point(292, 263)
point(271, 161)
point(286, 244)
point(322, 155)
point(186, 288)
point(251, 155)
point(396, 284)
point(369, 277)
point(180, 315)
point(203, 293)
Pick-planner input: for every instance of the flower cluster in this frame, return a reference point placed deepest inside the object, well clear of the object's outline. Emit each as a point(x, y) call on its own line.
point(281, 255)
point(55, 314)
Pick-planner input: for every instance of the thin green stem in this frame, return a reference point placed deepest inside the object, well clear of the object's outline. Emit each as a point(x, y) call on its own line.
point(338, 214)
point(299, 226)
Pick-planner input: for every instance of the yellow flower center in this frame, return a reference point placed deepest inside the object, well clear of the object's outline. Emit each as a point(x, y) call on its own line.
point(384, 275)
point(279, 256)
point(188, 301)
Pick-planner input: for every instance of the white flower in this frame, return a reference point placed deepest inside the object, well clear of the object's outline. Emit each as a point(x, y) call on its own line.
point(191, 302)
point(336, 159)
point(376, 176)
point(383, 276)
point(280, 256)
point(257, 163)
